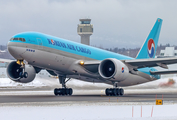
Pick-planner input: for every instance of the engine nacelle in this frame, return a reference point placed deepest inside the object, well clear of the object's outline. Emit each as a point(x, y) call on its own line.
point(14, 69)
point(113, 69)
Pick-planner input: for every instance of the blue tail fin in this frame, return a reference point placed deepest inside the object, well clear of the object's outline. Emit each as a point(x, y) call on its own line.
point(148, 50)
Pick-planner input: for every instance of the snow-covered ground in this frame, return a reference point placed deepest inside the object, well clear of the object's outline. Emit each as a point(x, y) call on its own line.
point(6, 82)
point(87, 111)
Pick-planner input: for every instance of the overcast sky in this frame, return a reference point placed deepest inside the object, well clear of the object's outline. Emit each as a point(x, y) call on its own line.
point(117, 23)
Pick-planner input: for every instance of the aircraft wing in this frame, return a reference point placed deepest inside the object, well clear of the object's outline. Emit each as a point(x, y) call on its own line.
point(163, 72)
point(141, 63)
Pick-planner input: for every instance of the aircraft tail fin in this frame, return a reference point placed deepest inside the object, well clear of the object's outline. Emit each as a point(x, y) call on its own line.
point(148, 50)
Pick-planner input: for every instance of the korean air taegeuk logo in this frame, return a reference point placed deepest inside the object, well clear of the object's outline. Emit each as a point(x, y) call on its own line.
point(151, 48)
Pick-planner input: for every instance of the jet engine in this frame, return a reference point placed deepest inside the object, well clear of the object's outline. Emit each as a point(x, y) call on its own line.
point(113, 69)
point(14, 69)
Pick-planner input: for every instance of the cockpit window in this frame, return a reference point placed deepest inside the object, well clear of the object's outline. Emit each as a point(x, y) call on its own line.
point(18, 39)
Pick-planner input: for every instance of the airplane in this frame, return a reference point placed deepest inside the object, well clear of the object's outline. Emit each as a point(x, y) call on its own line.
point(35, 51)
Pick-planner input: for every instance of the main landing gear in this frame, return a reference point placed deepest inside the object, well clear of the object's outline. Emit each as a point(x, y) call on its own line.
point(114, 91)
point(63, 90)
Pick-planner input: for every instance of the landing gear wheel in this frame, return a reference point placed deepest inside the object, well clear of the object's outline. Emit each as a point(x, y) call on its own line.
point(63, 91)
point(114, 92)
point(66, 91)
point(21, 74)
point(121, 92)
point(55, 91)
point(111, 91)
point(70, 91)
point(107, 91)
point(117, 91)
point(25, 75)
point(59, 91)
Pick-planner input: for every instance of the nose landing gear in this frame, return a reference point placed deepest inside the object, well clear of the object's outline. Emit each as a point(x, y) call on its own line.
point(22, 72)
point(63, 91)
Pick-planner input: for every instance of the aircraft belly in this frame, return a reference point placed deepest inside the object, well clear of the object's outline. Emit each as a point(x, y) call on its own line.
point(89, 79)
point(49, 61)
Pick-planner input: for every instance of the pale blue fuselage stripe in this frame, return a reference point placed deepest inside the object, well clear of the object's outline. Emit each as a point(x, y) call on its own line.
point(75, 48)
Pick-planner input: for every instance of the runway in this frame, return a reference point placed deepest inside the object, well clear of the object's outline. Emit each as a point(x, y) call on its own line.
point(89, 104)
point(47, 96)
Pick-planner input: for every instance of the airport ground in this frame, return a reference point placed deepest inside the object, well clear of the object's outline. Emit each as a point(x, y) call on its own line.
point(45, 94)
point(87, 102)
point(41, 104)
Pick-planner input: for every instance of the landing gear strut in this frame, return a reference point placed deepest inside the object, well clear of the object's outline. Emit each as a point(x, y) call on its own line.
point(22, 72)
point(63, 90)
point(114, 91)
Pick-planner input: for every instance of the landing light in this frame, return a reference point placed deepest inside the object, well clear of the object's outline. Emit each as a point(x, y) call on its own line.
point(18, 62)
point(81, 62)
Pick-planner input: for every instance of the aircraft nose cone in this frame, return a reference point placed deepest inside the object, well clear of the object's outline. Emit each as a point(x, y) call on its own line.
point(13, 50)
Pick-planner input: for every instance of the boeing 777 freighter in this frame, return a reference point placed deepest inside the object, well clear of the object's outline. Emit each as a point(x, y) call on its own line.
point(67, 59)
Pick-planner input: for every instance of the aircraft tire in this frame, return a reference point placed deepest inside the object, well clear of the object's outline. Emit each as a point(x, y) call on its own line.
point(107, 91)
point(25, 75)
point(121, 92)
point(67, 91)
point(111, 91)
point(70, 91)
point(117, 91)
point(59, 91)
point(56, 91)
point(63, 91)
point(21, 74)
point(114, 92)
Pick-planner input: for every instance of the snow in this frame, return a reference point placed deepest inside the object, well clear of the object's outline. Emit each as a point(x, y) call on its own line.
point(88, 111)
point(6, 82)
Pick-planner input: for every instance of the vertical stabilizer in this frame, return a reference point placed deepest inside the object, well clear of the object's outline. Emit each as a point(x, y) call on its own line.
point(148, 50)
